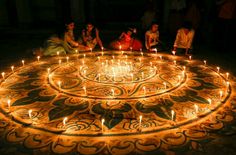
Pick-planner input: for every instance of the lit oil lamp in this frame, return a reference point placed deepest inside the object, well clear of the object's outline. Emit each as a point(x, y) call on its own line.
point(209, 101)
point(196, 108)
point(165, 86)
point(9, 103)
point(65, 121)
point(174, 62)
point(221, 95)
point(140, 122)
point(103, 121)
point(173, 52)
point(113, 92)
point(3, 75)
point(59, 62)
point(12, 68)
point(227, 75)
point(59, 84)
point(85, 91)
point(48, 69)
point(30, 113)
point(218, 69)
point(172, 115)
point(23, 62)
point(38, 58)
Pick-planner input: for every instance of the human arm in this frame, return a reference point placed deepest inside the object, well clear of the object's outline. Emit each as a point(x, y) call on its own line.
point(98, 39)
point(84, 38)
point(177, 38)
point(190, 40)
point(147, 41)
point(69, 39)
point(122, 35)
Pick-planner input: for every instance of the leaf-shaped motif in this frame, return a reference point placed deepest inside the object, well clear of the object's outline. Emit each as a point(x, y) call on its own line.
point(162, 109)
point(33, 96)
point(125, 108)
point(204, 85)
point(25, 85)
point(179, 98)
point(191, 96)
point(200, 74)
point(32, 74)
point(111, 121)
point(98, 109)
point(112, 116)
point(61, 110)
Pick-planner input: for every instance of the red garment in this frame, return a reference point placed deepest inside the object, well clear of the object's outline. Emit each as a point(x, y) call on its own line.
point(126, 43)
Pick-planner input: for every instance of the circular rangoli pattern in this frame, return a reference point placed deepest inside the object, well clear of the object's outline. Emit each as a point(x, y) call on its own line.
point(114, 102)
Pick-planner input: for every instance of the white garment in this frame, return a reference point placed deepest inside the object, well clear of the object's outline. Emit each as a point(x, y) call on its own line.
point(184, 40)
point(152, 38)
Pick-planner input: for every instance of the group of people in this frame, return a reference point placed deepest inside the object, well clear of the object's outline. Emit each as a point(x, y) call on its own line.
point(90, 38)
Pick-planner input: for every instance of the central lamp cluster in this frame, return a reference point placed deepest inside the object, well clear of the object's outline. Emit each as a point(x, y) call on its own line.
point(118, 71)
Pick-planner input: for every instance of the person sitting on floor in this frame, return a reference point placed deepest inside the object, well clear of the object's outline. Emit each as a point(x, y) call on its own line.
point(152, 38)
point(90, 37)
point(65, 44)
point(184, 38)
point(126, 41)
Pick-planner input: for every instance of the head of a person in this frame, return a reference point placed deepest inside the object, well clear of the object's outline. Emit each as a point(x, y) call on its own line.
point(70, 25)
point(131, 31)
point(89, 27)
point(187, 25)
point(154, 27)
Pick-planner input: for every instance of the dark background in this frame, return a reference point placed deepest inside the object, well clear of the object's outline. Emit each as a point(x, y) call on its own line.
point(26, 24)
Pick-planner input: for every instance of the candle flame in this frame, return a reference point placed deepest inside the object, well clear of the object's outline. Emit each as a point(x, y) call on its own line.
point(140, 118)
point(173, 52)
point(65, 120)
point(209, 101)
point(30, 113)
point(48, 70)
point(172, 114)
point(196, 108)
point(3, 75)
point(9, 103)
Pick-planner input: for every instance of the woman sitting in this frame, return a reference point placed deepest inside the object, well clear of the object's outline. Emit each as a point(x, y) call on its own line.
point(64, 44)
point(184, 38)
point(90, 37)
point(152, 40)
point(126, 42)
